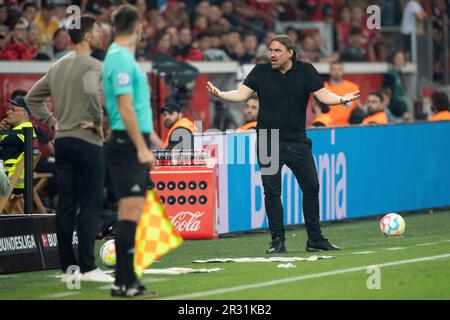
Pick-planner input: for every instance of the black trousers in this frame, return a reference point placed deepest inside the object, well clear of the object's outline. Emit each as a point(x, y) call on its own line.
point(298, 157)
point(81, 171)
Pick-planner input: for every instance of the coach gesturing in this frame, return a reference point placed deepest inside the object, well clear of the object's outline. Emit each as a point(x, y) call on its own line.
point(283, 87)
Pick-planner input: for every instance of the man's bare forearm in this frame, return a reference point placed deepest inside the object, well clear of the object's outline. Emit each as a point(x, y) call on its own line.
point(232, 96)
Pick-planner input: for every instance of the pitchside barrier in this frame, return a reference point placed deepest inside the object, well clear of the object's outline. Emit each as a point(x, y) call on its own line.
point(363, 171)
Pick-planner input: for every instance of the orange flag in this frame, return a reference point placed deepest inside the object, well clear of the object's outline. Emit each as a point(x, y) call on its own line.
point(155, 234)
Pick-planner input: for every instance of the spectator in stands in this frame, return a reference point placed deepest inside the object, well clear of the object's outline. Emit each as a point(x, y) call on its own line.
point(3, 39)
point(185, 51)
point(99, 53)
point(60, 13)
point(294, 35)
point(412, 11)
point(322, 112)
point(59, 47)
point(263, 48)
point(105, 10)
point(356, 50)
point(309, 51)
point(250, 43)
point(394, 80)
point(173, 31)
point(440, 107)
point(343, 28)
point(375, 110)
point(251, 109)
point(357, 116)
point(238, 53)
point(175, 14)
point(229, 12)
point(229, 40)
point(34, 38)
point(3, 16)
point(29, 13)
point(163, 44)
point(17, 48)
point(209, 51)
point(46, 22)
point(181, 129)
point(200, 25)
point(338, 85)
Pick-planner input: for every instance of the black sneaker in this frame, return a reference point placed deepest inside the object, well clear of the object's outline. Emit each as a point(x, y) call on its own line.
point(276, 246)
point(136, 290)
point(321, 245)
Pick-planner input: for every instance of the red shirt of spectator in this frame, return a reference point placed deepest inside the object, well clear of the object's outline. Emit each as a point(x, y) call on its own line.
point(18, 51)
point(17, 48)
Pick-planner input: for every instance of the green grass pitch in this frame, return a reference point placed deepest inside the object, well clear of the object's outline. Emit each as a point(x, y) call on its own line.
point(413, 266)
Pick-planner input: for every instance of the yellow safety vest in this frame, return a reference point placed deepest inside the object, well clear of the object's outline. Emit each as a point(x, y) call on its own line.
point(11, 164)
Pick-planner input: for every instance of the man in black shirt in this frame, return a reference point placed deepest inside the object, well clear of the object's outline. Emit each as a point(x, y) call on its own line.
point(283, 87)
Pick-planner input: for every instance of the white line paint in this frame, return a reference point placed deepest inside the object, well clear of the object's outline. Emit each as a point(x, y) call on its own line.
point(426, 244)
point(394, 248)
point(62, 294)
point(300, 278)
point(363, 252)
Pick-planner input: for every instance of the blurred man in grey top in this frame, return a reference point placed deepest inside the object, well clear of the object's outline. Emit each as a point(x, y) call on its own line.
point(74, 84)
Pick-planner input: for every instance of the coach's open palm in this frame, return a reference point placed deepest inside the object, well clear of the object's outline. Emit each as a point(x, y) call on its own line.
point(212, 89)
point(350, 97)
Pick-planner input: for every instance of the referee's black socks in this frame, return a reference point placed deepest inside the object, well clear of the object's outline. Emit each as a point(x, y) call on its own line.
point(125, 235)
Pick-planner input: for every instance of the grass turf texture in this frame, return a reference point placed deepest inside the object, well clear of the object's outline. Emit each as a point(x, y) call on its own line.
point(362, 243)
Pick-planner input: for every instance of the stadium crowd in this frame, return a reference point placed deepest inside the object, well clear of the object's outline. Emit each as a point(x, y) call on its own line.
point(218, 30)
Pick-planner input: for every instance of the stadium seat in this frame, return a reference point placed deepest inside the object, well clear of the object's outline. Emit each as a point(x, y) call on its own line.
point(14, 204)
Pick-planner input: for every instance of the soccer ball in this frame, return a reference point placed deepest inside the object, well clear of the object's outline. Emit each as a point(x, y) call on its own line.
point(392, 224)
point(108, 253)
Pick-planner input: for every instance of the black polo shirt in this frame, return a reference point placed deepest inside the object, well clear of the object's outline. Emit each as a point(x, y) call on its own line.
point(283, 98)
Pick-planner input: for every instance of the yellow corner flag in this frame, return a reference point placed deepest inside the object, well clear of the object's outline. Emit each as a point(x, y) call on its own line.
point(155, 234)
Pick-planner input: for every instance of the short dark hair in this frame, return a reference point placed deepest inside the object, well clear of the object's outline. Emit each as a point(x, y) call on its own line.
point(29, 5)
point(18, 93)
point(14, 23)
point(286, 41)
point(86, 25)
point(253, 96)
point(377, 94)
point(125, 19)
point(55, 34)
point(440, 101)
point(336, 62)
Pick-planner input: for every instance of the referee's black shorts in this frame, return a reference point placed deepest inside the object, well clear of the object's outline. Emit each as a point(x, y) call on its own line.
point(129, 178)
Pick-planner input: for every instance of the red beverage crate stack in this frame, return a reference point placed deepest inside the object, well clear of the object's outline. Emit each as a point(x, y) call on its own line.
point(186, 184)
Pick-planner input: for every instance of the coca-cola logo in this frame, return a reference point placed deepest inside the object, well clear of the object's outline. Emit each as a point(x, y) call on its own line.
point(186, 221)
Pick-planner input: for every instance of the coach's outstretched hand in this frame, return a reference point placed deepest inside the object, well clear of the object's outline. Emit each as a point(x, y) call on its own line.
point(145, 156)
point(212, 89)
point(350, 97)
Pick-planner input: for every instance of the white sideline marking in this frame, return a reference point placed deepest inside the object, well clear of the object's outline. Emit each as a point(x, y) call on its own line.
point(426, 244)
point(363, 252)
point(62, 295)
point(299, 278)
point(394, 248)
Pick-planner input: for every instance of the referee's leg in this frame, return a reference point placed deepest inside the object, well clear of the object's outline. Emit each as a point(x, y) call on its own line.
point(130, 210)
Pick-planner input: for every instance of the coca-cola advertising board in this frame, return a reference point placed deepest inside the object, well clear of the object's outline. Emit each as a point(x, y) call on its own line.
point(189, 195)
